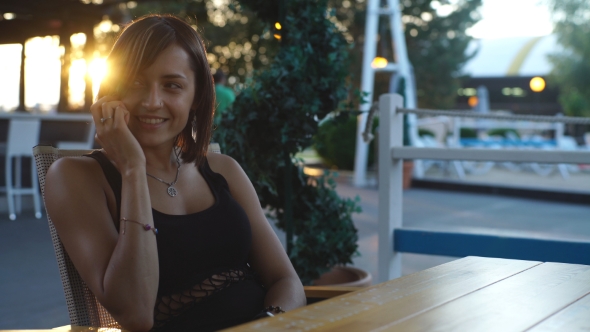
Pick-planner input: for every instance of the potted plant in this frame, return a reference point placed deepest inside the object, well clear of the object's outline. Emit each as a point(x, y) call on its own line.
point(276, 115)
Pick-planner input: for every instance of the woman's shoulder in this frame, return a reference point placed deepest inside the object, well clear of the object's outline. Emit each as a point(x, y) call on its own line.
point(75, 164)
point(222, 164)
point(74, 170)
point(76, 182)
point(225, 165)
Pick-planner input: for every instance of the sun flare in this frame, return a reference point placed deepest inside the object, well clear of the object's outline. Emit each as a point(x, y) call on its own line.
point(98, 70)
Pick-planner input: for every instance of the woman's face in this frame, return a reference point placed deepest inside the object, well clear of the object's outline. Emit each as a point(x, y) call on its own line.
point(160, 98)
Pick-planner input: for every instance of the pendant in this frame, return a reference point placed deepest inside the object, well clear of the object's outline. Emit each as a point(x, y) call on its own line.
point(172, 191)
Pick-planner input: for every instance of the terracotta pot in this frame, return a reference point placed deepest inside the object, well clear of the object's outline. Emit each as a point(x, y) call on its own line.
point(408, 171)
point(345, 276)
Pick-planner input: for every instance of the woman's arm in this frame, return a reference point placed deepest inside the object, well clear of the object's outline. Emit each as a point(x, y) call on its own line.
point(267, 257)
point(120, 269)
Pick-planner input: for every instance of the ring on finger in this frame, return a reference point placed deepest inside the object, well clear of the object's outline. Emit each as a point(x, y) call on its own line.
point(102, 120)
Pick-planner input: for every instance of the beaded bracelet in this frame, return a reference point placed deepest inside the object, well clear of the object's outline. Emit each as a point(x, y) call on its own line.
point(147, 227)
point(274, 310)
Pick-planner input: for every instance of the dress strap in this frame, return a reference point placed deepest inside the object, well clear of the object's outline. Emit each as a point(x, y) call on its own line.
point(113, 177)
point(215, 180)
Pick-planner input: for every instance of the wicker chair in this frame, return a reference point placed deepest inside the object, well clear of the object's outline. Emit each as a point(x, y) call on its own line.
point(83, 307)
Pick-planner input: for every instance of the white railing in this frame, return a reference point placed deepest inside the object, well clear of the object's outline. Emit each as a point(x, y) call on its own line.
point(391, 156)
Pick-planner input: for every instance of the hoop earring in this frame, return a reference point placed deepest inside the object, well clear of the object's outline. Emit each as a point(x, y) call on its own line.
point(194, 128)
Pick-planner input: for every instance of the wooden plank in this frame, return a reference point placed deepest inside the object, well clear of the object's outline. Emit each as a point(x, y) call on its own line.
point(395, 300)
point(490, 245)
point(513, 304)
point(575, 317)
point(530, 156)
point(326, 292)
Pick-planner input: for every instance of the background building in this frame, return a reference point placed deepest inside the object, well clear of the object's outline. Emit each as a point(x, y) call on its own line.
point(505, 67)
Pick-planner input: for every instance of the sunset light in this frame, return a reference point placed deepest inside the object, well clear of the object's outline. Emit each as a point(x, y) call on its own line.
point(9, 71)
point(77, 83)
point(43, 57)
point(78, 70)
point(98, 70)
point(42, 72)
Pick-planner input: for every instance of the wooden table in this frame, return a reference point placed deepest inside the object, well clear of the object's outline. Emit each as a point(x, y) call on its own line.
point(469, 294)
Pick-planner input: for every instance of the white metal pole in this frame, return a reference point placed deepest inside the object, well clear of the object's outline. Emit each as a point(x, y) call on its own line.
point(367, 83)
point(401, 57)
point(401, 52)
point(390, 185)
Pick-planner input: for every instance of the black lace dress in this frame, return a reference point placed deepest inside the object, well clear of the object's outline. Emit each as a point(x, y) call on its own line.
point(205, 281)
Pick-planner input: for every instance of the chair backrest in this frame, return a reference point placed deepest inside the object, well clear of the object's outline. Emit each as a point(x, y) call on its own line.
point(23, 134)
point(83, 307)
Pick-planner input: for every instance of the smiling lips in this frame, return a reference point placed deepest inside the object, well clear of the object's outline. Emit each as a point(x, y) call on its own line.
point(151, 120)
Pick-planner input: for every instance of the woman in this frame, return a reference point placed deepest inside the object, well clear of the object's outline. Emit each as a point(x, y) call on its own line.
point(165, 235)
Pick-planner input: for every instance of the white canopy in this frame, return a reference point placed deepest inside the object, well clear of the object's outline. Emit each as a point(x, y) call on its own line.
point(517, 56)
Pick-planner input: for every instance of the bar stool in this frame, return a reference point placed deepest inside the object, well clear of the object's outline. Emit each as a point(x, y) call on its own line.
point(23, 135)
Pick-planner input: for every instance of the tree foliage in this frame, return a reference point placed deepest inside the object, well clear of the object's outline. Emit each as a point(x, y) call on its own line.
point(237, 41)
point(276, 115)
point(437, 47)
point(571, 69)
point(436, 40)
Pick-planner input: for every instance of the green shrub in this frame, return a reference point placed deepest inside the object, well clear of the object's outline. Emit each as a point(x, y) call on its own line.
point(468, 133)
point(425, 132)
point(335, 143)
point(503, 132)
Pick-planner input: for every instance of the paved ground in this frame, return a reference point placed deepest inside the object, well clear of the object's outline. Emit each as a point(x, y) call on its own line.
point(31, 294)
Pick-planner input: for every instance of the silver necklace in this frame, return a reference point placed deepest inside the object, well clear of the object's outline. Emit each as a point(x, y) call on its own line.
point(171, 190)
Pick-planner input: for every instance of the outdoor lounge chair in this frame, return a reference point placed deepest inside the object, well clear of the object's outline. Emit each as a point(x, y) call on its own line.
point(83, 307)
point(22, 134)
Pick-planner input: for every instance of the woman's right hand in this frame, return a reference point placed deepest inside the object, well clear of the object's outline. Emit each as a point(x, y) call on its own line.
point(112, 133)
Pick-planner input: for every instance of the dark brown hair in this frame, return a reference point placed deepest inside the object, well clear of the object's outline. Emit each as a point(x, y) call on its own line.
point(137, 47)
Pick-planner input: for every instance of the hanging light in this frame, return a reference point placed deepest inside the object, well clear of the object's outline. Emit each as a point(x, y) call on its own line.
point(379, 62)
point(537, 84)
